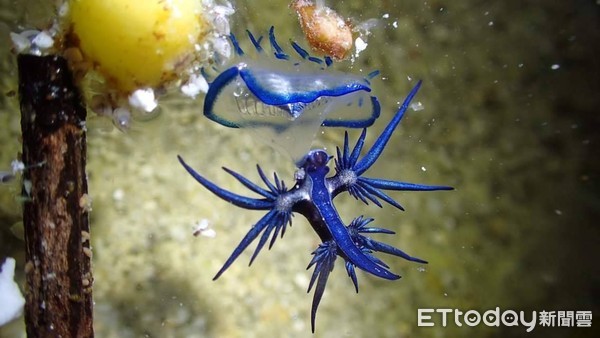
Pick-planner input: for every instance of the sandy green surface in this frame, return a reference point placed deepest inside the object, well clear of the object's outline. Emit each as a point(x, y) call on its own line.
point(514, 136)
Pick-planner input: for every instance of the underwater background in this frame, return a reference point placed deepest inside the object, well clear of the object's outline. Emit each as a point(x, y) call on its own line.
point(511, 120)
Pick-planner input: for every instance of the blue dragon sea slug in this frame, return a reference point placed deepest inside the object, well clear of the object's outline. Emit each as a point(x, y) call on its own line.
point(312, 196)
point(286, 97)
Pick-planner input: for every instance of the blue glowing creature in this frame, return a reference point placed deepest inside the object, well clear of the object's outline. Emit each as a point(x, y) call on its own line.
point(284, 98)
point(312, 196)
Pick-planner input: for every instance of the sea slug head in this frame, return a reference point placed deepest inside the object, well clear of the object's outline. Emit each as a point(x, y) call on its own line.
point(315, 160)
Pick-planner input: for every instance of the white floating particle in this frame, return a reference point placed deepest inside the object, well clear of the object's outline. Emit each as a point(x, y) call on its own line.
point(118, 195)
point(423, 169)
point(555, 66)
point(417, 106)
point(385, 16)
point(10, 295)
point(17, 166)
point(201, 229)
point(196, 85)
point(143, 99)
point(20, 42)
point(395, 24)
point(210, 233)
point(43, 40)
point(360, 45)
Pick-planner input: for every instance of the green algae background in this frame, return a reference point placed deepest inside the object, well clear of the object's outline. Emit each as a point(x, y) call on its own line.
point(510, 120)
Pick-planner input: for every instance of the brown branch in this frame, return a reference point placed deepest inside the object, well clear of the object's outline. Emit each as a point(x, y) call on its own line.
point(55, 212)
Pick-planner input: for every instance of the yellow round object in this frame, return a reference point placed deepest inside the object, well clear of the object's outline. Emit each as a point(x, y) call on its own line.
point(137, 43)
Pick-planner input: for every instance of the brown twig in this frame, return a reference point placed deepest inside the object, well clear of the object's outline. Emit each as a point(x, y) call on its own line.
point(55, 211)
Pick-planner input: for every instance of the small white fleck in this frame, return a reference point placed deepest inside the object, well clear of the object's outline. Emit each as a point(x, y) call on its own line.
point(20, 42)
point(63, 10)
point(491, 23)
point(43, 40)
point(423, 169)
point(558, 212)
point(118, 195)
point(210, 233)
point(122, 118)
point(17, 166)
point(201, 228)
point(143, 99)
point(417, 106)
point(196, 85)
point(360, 45)
point(385, 16)
point(555, 66)
point(10, 296)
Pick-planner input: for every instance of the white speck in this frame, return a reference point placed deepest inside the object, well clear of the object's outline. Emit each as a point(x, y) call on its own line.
point(222, 47)
point(10, 296)
point(423, 169)
point(20, 42)
point(63, 10)
point(43, 40)
point(118, 195)
point(210, 233)
point(555, 66)
point(17, 166)
point(201, 229)
point(360, 45)
point(395, 24)
point(445, 294)
point(196, 85)
point(385, 16)
point(301, 281)
point(491, 23)
point(558, 212)
point(122, 118)
point(417, 106)
point(421, 269)
point(143, 99)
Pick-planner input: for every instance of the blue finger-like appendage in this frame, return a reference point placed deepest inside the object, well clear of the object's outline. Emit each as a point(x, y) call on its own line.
point(378, 193)
point(354, 254)
point(276, 224)
point(250, 236)
point(352, 274)
point(388, 249)
point(238, 200)
point(324, 258)
point(278, 51)
point(255, 42)
point(359, 226)
point(403, 186)
point(373, 154)
point(251, 185)
point(236, 46)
